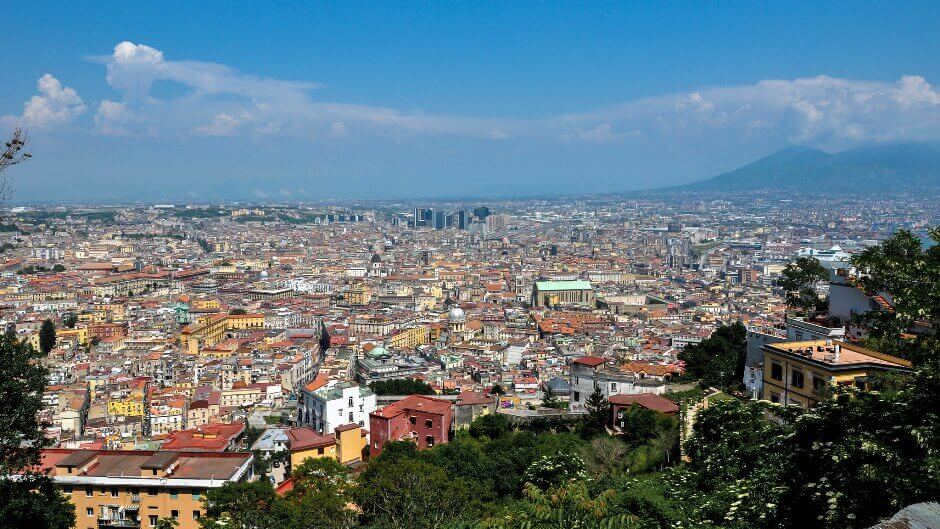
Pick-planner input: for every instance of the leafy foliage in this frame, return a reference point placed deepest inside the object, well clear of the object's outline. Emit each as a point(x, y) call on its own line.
point(30, 501)
point(401, 386)
point(47, 337)
point(799, 281)
point(718, 360)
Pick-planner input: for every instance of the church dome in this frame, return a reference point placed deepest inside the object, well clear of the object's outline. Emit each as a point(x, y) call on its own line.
point(377, 352)
point(456, 314)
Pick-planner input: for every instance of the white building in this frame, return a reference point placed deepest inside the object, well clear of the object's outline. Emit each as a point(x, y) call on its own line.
point(589, 373)
point(335, 403)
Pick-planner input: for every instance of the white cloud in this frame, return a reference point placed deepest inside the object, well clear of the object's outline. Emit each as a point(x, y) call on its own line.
point(222, 125)
point(823, 111)
point(113, 118)
point(338, 130)
point(54, 105)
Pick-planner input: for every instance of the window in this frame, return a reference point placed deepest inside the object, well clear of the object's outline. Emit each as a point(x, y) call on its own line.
point(153, 520)
point(174, 514)
point(577, 396)
point(151, 491)
point(196, 515)
point(351, 417)
point(774, 397)
point(67, 489)
point(197, 494)
point(89, 511)
point(428, 423)
point(114, 492)
point(776, 371)
point(796, 378)
point(174, 494)
point(350, 401)
point(429, 441)
point(89, 491)
point(818, 383)
point(414, 420)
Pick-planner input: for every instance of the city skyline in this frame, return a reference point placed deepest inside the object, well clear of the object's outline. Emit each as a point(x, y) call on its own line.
point(354, 103)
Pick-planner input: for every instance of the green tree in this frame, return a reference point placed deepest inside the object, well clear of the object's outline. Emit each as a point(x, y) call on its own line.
point(491, 425)
point(718, 360)
point(909, 275)
point(167, 523)
point(47, 337)
point(245, 505)
point(555, 469)
point(406, 494)
point(30, 500)
point(598, 413)
point(322, 495)
point(565, 507)
point(550, 399)
point(497, 389)
point(401, 386)
point(69, 320)
point(799, 281)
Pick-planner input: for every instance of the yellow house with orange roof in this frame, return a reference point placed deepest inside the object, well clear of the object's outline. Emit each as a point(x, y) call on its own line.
point(797, 372)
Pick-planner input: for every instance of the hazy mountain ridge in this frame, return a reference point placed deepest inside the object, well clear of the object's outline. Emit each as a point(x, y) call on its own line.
point(875, 168)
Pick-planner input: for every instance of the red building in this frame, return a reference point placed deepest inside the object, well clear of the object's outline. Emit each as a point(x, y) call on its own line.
point(422, 420)
point(649, 401)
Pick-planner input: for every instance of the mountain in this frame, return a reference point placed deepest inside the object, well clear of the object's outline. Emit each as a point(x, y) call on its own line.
point(873, 168)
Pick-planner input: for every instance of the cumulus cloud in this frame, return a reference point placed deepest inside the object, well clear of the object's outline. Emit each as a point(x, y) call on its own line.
point(54, 105)
point(222, 125)
point(822, 111)
point(113, 118)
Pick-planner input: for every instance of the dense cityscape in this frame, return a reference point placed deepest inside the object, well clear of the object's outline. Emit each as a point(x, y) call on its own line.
point(230, 343)
point(470, 265)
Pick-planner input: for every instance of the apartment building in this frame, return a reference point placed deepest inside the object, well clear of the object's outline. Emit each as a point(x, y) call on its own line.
point(796, 372)
point(131, 489)
point(327, 405)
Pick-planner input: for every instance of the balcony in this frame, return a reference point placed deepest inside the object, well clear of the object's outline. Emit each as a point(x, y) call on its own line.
point(118, 523)
point(119, 517)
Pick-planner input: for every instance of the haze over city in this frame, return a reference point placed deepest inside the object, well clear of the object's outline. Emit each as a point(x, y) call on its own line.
point(179, 101)
point(482, 265)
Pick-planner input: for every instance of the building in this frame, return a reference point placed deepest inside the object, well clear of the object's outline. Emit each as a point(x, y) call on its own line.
point(655, 403)
point(552, 293)
point(325, 405)
point(345, 444)
point(589, 373)
point(423, 420)
point(796, 372)
point(133, 489)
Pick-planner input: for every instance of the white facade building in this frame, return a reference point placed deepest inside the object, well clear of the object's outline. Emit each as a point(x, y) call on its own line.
point(335, 404)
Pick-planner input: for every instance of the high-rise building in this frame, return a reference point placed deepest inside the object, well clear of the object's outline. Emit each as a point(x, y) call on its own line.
point(422, 217)
point(497, 222)
point(481, 212)
point(463, 219)
point(440, 220)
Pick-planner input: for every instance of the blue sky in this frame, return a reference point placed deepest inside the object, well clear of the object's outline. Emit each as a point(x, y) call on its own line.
point(217, 99)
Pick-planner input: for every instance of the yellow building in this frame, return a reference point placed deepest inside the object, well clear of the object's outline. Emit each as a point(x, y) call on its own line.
point(134, 489)
point(345, 445)
point(210, 330)
point(79, 334)
point(796, 372)
point(410, 338)
point(129, 407)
